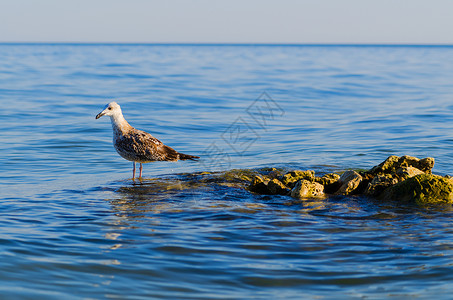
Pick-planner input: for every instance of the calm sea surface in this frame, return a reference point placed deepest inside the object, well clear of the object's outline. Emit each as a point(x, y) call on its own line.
point(74, 225)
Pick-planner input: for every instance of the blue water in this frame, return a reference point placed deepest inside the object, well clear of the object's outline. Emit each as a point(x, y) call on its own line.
point(74, 225)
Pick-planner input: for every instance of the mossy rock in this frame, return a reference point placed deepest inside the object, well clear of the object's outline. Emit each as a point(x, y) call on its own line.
point(379, 183)
point(238, 175)
point(259, 185)
point(425, 164)
point(387, 166)
point(290, 178)
point(329, 181)
point(423, 189)
point(349, 182)
point(393, 163)
point(307, 189)
point(407, 172)
point(271, 172)
point(264, 185)
point(275, 187)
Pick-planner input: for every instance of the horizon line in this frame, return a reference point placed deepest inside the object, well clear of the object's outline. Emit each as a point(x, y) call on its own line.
point(236, 44)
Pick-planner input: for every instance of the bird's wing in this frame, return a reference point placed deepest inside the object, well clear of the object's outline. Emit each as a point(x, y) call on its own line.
point(144, 147)
point(140, 144)
point(153, 148)
point(168, 153)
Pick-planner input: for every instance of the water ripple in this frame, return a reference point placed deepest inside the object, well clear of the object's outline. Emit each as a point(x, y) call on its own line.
point(73, 220)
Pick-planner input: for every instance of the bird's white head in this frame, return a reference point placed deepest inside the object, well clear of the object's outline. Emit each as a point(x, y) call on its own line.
point(110, 109)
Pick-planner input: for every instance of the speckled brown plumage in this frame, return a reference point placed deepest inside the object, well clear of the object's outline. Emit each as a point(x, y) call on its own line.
point(137, 145)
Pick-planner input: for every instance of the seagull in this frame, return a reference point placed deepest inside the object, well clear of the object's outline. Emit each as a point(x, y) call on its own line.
point(136, 145)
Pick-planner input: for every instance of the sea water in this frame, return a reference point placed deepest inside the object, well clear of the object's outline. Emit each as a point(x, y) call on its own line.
point(74, 225)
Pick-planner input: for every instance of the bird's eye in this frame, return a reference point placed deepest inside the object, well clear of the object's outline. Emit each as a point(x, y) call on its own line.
point(110, 108)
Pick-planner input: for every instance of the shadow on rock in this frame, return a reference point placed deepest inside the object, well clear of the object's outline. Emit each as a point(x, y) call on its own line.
point(405, 179)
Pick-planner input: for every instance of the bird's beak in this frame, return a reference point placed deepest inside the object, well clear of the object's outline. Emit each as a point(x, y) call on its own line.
point(100, 114)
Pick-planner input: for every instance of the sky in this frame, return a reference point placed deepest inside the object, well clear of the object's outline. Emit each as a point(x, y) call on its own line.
point(228, 21)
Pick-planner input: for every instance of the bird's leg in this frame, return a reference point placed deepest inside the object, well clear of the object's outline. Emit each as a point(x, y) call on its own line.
point(133, 171)
point(141, 168)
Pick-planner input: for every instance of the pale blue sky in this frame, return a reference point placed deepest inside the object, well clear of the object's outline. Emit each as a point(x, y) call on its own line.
point(222, 21)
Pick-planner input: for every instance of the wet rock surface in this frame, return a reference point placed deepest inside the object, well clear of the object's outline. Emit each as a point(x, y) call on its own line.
point(404, 179)
point(291, 178)
point(423, 189)
point(276, 187)
point(307, 189)
point(379, 183)
point(349, 182)
point(393, 163)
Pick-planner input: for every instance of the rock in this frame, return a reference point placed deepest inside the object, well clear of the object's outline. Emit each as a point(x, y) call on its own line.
point(266, 186)
point(393, 163)
point(395, 169)
point(387, 166)
point(271, 172)
point(292, 177)
point(307, 189)
point(329, 181)
point(238, 175)
point(259, 185)
point(275, 187)
point(404, 178)
point(426, 164)
point(407, 172)
point(422, 189)
point(379, 183)
point(350, 181)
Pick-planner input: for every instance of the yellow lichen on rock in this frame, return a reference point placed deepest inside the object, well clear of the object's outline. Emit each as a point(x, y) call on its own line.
point(422, 189)
point(307, 189)
point(349, 182)
point(292, 177)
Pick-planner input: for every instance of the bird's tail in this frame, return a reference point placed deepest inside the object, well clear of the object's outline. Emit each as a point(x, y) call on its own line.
point(183, 156)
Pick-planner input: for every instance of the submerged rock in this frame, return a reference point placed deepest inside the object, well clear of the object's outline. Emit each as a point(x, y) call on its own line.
point(422, 189)
point(307, 189)
point(238, 175)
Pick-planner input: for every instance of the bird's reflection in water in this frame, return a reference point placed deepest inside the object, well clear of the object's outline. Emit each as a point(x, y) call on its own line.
point(139, 194)
point(189, 194)
point(181, 193)
point(150, 196)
